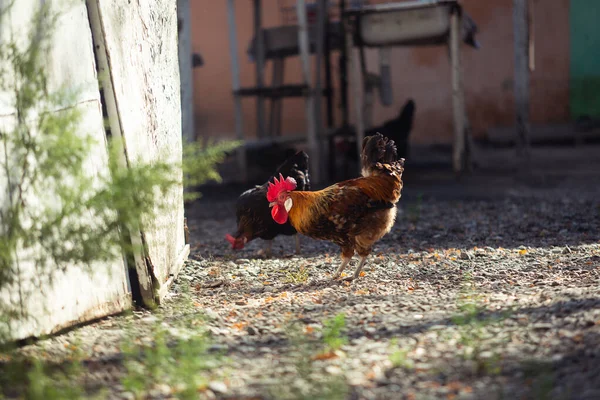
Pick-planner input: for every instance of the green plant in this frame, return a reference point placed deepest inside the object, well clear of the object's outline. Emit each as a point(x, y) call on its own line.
point(178, 365)
point(414, 209)
point(473, 331)
point(332, 332)
point(200, 163)
point(299, 276)
point(40, 379)
point(399, 358)
point(309, 381)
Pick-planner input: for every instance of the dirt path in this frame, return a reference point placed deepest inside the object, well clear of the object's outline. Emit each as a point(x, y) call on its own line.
point(489, 299)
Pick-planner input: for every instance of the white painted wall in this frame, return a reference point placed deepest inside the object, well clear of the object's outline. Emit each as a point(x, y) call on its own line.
point(73, 295)
point(141, 43)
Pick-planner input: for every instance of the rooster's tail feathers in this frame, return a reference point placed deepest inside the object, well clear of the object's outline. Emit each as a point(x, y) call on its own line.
point(395, 168)
point(377, 151)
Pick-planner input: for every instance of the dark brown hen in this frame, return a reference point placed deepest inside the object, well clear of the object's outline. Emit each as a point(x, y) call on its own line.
point(253, 213)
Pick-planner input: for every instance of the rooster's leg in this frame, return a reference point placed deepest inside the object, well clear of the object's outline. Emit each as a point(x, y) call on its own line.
point(267, 250)
point(346, 257)
point(297, 244)
point(345, 262)
point(361, 264)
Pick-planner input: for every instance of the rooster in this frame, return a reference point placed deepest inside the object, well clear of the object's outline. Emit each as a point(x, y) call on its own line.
point(253, 213)
point(353, 214)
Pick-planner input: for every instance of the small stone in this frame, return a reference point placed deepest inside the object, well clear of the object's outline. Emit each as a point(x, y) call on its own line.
point(127, 396)
point(210, 313)
point(251, 331)
point(355, 378)
point(218, 387)
point(218, 347)
point(371, 330)
point(333, 370)
point(257, 289)
point(486, 354)
point(423, 366)
point(242, 261)
point(419, 351)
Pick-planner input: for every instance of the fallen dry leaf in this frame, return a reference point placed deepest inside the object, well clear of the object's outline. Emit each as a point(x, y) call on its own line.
point(327, 355)
point(239, 325)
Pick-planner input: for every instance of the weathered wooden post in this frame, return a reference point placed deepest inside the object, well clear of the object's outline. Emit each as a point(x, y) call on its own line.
point(235, 79)
point(458, 96)
point(521, 51)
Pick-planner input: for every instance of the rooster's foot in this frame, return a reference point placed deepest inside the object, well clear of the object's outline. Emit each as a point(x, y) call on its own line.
point(266, 252)
point(297, 244)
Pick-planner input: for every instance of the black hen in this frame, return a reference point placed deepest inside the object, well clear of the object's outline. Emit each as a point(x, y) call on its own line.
point(397, 129)
point(254, 214)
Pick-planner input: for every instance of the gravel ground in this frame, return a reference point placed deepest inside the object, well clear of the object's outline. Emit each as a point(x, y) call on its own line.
point(494, 298)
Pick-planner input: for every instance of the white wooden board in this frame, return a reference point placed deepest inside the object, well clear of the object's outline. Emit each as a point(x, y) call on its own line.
point(141, 44)
point(74, 295)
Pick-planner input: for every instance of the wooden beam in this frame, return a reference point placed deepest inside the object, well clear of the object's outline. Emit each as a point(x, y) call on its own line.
point(343, 60)
point(356, 84)
point(311, 125)
point(179, 263)
point(260, 68)
point(185, 71)
point(235, 81)
point(144, 273)
point(521, 90)
point(458, 97)
point(322, 15)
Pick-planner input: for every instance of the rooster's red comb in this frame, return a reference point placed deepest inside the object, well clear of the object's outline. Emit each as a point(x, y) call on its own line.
point(280, 185)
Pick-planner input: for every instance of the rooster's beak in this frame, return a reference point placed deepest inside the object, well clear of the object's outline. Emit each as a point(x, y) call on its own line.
point(271, 204)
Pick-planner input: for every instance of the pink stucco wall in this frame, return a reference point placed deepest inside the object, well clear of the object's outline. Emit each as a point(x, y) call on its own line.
point(420, 73)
